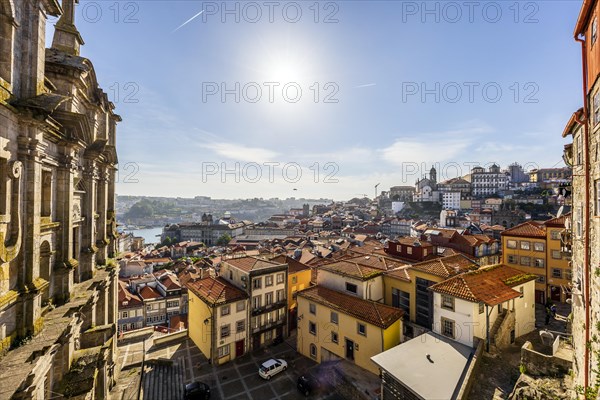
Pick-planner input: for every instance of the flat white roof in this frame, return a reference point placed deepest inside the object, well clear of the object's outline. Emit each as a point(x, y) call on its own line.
point(435, 377)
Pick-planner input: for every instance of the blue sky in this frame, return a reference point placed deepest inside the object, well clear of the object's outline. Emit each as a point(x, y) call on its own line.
point(362, 92)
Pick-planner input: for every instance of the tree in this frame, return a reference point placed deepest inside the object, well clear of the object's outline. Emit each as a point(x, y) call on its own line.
point(223, 240)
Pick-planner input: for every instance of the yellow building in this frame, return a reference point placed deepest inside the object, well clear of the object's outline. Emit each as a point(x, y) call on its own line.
point(407, 287)
point(534, 248)
point(334, 325)
point(218, 319)
point(299, 276)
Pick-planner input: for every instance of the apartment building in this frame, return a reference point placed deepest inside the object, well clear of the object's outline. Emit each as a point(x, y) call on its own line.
point(266, 284)
point(485, 183)
point(218, 318)
point(535, 248)
point(333, 325)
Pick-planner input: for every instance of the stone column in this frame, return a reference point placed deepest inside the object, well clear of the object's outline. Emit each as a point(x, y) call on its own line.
point(102, 305)
point(102, 239)
point(65, 262)
point(31, 151)
point(87, 257)
point(111, 214)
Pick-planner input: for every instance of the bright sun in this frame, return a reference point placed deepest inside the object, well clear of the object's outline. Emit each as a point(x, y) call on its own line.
point(284, 71)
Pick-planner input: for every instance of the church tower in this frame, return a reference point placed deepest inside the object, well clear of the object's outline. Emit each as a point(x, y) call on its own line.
point(433, 175)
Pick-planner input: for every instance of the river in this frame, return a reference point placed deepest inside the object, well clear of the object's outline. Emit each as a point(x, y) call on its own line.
point(149, 234)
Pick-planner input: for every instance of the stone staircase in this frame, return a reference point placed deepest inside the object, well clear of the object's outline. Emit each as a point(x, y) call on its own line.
point(494, 330)
point(163, 380)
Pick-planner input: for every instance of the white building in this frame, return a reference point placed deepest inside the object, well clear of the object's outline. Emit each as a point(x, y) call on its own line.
point(451, 200)
point(467, 305)
point(484, 183)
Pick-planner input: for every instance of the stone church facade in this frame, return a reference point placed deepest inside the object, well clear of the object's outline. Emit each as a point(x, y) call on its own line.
point(58, 282)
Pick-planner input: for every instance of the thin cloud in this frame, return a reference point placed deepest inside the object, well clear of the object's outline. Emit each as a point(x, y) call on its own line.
point(241, 153)
point(188, 21)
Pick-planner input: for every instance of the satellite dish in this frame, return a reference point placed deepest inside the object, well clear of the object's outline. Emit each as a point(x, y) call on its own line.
point(560, 211)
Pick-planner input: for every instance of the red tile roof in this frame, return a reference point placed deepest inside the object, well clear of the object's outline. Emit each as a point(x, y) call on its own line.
point(490, 285)
point(148, 293)
point(368, 311)
point(216, 291)
point(528, 229)
point(133, 300)
point(294, 266)
point(248, 264)
point(352, 269)
point(446, 267)
point(558, 222)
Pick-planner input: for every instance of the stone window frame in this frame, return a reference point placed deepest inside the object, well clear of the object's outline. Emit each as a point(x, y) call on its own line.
point(312, 328)
point(447, 302)
point(448, 325)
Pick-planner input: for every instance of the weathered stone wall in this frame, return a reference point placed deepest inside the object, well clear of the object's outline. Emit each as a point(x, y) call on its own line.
point(538, 364)
point(502, 336)
point(472, 371)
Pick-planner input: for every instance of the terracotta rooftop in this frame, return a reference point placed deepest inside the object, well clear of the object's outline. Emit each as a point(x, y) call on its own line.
point(149, 293)
point(529, 229)
point(490, 285)
point(294, 266)
point(368, 311)
point(133, 300)
point(402, 273)
point(352, 269)
point(411, 241)
point(446, 267)
point(216, 291)
point(248, 264)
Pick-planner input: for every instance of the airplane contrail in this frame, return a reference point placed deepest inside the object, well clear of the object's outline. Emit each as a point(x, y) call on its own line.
point(365, 85)
point(187, 22)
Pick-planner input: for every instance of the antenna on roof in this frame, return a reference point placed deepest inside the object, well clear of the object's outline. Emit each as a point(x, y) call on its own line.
point(560, 211)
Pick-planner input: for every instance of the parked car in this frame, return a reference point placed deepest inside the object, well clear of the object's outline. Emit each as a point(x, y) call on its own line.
point(272, 367)
point(309, 384)
point(197, 391)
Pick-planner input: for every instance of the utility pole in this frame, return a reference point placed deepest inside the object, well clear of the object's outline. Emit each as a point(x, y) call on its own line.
point(376, 189)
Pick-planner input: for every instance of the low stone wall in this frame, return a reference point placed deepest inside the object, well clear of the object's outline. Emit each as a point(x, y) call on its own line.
point(538, 364)
point(471, 373)
point(170, 337)
point(96, 336)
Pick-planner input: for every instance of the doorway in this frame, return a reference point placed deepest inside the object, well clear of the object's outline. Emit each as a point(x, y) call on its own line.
point(239, 348)
point(349, 349)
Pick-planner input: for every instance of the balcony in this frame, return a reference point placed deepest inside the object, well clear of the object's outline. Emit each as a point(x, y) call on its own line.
point(566, 239)
point(269, 307)
point(269, 325)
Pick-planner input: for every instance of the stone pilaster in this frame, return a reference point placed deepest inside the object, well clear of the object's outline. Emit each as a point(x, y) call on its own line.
point(87, 257)
point(102, 239)
point(65, 262)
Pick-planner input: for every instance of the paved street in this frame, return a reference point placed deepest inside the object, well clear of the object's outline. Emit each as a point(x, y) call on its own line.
point(235, 380)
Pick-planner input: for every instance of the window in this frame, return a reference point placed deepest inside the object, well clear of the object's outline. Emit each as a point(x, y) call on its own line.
point(556, 254)
point(556, 273)
point(225, 330)
point(539, 263)
point(225, 310)
point(334, 318)
point(401, 299)
point(334, 337)
point(268, 335)
point(280, 278)
point(448, 328)
point(361, 329)
point(257, 283)
point(526, 261)
point(312, 327)
point(481, 308)
point(512, 259)
point(269, 280)
point(256, 302)
point(538, 246)
point(223, 351)
point(594, 30)
point(522, 292)
point(240, 326)
point(312, 308)
point(313, 351)
point(268, 298)
point(511, 244)
point(280, 295)
point(294, 280)
point(124, 315)
point(448, 302)
point(351, 287)
point(525, 245)
point(149, 308)
point(555, 234)
point(579, 220)
point(240, 306)
point(541, 279)
point(408, 250)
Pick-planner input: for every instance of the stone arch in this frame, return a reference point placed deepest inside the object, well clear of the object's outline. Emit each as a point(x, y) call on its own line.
point(7, 32)
point(46, 270)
